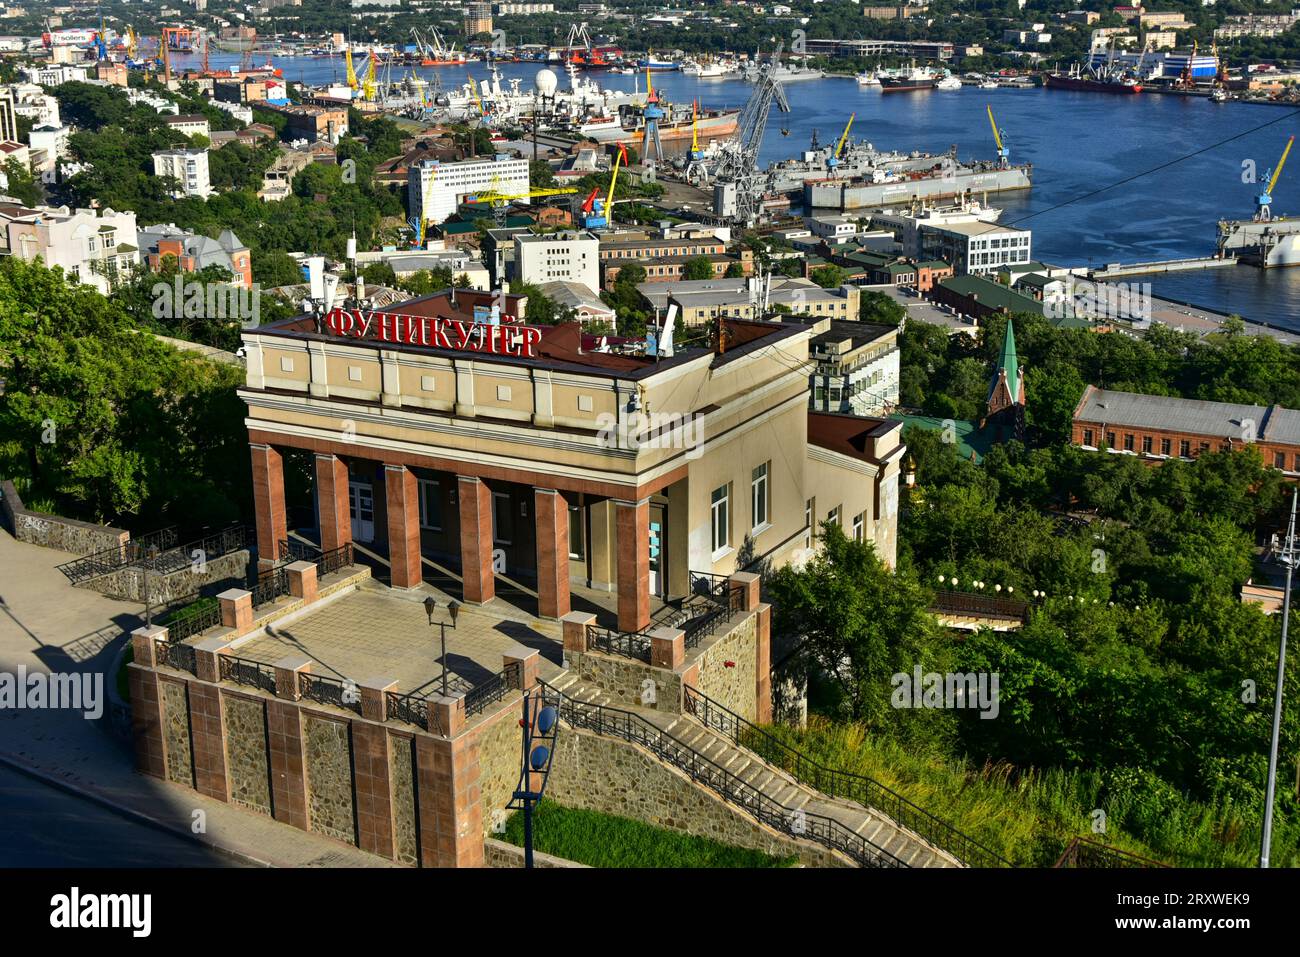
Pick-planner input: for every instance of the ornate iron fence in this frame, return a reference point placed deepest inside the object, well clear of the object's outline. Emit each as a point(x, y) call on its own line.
point(296, 550)
point(629, 644)
point(795, 822)
point(204, 549)
point(980, 606)
point(856, 787)
point(333, 560)
point(414, 710)
point(332, 691)
point(271, 584)
point(194, 622)
point(255, 674)
point(118, 556)
point(490, 691)
point(176, 655)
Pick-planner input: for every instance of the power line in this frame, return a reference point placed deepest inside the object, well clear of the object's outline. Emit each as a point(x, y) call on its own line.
point(1156, 169)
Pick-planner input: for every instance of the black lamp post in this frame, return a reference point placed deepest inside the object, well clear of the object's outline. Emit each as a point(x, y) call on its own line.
point(540, 724)
point(430, 606)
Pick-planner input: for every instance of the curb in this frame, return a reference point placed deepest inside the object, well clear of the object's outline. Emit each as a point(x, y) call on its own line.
point(139, 817)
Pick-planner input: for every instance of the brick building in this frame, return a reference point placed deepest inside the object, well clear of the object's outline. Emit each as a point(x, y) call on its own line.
point(1157, 427)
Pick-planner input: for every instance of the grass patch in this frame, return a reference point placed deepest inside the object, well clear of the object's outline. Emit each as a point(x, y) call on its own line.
point(605, 840)
point(1028, 815)
point(193, 608)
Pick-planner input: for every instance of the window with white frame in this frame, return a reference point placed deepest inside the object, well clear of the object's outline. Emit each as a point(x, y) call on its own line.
point(833, 516)
point(758, 496)
point(857, 527)
point(719, 505)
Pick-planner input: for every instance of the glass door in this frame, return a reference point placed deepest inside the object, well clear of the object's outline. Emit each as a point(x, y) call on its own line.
point(361, 505)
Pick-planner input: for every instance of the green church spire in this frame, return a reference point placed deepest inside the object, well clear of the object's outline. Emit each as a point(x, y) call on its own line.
point(1009, 362)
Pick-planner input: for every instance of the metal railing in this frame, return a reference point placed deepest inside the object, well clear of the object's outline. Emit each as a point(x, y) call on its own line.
point(271, 584)
point(193, 622)
point(118, 556)
point(413, 710)
point(980, 606)
point(175, 655)
point(296, 550)
point(1083, 853)
point(629, 644)
point(795, 822)
point(332, 691)
point(843, 784)
point(333, 560)
point(204, 549)
point(491, 691)
point(255, 674)
point(711, 602)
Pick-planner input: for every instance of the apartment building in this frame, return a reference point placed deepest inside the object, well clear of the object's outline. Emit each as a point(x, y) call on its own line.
point(855, 368)
point(92, 246)
point(705, 300)
point(191, 124)
point(435, 189)
point(558, 257)
point(188, 167)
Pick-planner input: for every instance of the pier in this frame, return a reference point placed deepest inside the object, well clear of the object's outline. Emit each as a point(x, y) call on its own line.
point(1120, 270)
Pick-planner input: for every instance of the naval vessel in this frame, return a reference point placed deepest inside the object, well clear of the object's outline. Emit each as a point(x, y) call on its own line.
point(1263, 243)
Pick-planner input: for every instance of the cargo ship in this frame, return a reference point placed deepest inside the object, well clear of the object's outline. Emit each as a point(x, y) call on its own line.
point(678, 123)
point(917, 78)
point(940, 177)
point(1101, 81)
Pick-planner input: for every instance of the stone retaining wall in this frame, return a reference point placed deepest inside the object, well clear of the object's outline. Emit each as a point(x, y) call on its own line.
point(606, 774)
point(728, 670)
point(501, 854)
point(627, 681)
point(53, 531)
point(127, 584)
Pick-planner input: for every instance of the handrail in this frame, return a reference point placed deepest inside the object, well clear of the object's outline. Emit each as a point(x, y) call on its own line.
point(795, 822)
point(976, 604)
point(116, 556)
point(194, 622)
point(245, 671)
point(859, 788)
point(492, 690)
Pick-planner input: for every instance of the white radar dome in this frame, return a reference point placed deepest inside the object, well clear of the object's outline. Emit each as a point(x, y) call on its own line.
point(547, 81)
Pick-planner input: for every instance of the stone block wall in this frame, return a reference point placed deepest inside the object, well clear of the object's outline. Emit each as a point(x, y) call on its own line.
point(128, 583)
point(331, 807)
point(176, 732)
point(247, 752)
point(53, 531)
point(627, 681)
point(501, 854)
point(615, 777)
point(401, 765)
point(732, 686)
point(499, 751)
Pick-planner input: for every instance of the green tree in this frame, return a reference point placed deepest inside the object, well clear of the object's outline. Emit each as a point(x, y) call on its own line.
point(698, 267)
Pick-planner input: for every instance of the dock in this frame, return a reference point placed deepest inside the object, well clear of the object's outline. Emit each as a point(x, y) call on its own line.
point(1120, 270)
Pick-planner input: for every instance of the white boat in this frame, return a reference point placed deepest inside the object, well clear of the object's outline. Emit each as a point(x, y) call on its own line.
point(1219, 95)
point(948, 83)
point(867, 78)
point(708, 69)
point(989, 85)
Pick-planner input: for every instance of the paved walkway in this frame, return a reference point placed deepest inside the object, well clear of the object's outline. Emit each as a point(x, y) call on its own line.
point(47, 625)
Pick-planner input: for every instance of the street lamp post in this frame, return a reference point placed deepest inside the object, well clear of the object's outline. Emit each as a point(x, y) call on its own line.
point(1288, 559)
point(540, 724)
point(453, 607)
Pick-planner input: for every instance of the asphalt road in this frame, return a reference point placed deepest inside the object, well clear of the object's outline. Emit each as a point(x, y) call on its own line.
point(43, 826)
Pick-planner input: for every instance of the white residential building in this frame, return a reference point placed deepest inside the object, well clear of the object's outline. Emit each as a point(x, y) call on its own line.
point(191, 124)
point(92, 246)
point(855, 368)
point(49, 74)
point(35, 104)
point(160, 104)
point(976, 249)
point(558, 257)
point(49, 144)
point(435, 189)
point(189, 167)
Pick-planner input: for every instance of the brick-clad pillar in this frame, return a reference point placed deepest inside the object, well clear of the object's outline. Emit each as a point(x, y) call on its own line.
point(451, 807)
point(374, 801)
point(551, 511)
point(402, 490)
point(207, 732)
point(763, 660)
point(146, 704)
point(288, 768)
point(632, 525)
point(476, 539)
point(268, 502)
point(333, 511)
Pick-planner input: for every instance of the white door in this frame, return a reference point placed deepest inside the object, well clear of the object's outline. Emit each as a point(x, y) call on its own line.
point(361, 503)
point(658, 545)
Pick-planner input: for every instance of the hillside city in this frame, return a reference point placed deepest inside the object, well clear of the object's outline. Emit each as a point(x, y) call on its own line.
point(628, 435)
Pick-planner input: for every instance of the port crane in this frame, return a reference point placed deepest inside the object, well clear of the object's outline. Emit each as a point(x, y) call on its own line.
point(598, 215)
point(738, 183)
point(833, 160)
point(500, 202)
point(1003, 152)
point(1264, 201)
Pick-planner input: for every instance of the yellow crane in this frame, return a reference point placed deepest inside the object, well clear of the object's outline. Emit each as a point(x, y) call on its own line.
point(500, 201)
point(997, 138)
point(1263, 202)
point(613, 178)
point(352, 72)
point(833, 160)
point(368, 86)
point(473, 89)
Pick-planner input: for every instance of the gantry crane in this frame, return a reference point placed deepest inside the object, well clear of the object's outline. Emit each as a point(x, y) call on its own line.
point(597, 214)
point(1263, 202)
point(500, 202)
point(833, 160)
point(1003, 152)
point(738, 183)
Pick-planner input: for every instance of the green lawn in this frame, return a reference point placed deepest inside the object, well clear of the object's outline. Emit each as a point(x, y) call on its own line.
point(604, 840)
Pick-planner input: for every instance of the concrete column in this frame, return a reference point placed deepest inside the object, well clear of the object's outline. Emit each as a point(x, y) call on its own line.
point(632, 524)
point(288, 766)
point(402, 490)
point(667, 648)
point(332, 508)
point(208, 741)
point(743, 588)
point(475, 500)
point(450, 802)
point(268, 502)
point(287, 685)
point(302, 581)
point(576, 625)
point(551, 514)
point(527, 663)
point(447, 715)
point(236, 610)
point(146, 703)
point(373, 789)
point(207, 657)
point(374, 703)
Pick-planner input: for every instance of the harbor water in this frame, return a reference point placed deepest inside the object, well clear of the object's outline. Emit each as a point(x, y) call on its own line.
point(1079, 144)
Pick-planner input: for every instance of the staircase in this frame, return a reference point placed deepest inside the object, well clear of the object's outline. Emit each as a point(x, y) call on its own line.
point(741, 778)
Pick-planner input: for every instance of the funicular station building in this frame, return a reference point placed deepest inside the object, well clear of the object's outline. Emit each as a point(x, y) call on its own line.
point(467, 455)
